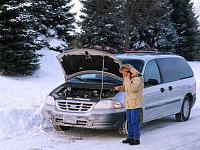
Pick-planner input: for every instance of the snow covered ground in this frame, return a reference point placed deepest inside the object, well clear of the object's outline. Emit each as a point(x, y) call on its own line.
point(22, 126)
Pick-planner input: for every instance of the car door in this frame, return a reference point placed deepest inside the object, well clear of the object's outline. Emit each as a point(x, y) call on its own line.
point(174, 96)
point(175, 84)
point(154, 95)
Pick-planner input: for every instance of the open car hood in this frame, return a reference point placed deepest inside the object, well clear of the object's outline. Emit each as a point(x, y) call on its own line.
point(88, 61)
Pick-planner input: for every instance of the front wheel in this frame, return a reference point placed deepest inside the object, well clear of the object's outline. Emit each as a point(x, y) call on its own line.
point(123, 128)
point(184, 114)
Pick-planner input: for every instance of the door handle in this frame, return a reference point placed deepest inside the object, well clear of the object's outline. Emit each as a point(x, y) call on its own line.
point(162, 90)
point(170, 88)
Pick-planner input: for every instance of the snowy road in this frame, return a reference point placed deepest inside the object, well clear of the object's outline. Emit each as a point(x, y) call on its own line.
point(162, 134)
point(22, 126)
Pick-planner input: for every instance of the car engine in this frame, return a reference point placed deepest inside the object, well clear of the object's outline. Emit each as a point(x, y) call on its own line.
point(68, 91)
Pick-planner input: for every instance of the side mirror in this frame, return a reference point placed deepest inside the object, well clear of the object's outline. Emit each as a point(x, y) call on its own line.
point(153, 82)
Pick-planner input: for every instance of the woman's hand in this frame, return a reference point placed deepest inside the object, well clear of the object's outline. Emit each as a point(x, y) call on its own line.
point(117, 88)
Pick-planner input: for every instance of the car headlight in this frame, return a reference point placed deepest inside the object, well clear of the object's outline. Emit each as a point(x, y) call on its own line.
point(108, 104)
point(50, 100)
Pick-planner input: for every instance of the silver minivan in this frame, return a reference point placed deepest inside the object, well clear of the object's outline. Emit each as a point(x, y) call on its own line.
point(87, 98)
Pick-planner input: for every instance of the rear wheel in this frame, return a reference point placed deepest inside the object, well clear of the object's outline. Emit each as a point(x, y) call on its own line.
point(60, 128)
point(184, 114)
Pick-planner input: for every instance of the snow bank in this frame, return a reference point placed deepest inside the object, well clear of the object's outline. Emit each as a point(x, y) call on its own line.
point(22, 98)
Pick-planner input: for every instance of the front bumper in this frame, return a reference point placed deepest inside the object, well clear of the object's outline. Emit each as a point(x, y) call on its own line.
point(96, 119)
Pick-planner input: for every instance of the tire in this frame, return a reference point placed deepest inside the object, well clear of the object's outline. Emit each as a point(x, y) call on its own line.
point(142, 124)
point(184, 114)
point(123, 128)
point(60, 128)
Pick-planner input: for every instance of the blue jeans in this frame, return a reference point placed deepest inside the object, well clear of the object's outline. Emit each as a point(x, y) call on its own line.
point(132, 117)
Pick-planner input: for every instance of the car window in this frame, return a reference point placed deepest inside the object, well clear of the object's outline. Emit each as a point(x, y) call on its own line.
point(87, 76)
point(184, 68)
point(152, 72)
point(169, 71)
point(137, 64)
point(96, 77)
point(173, 69)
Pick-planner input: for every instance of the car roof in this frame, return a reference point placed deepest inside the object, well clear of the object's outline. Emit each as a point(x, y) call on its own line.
point(145, 56)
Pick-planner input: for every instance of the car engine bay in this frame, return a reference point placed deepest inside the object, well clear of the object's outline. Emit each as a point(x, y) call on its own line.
point(88, 92)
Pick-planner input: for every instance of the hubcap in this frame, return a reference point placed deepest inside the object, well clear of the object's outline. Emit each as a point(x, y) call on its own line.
point(186, 109)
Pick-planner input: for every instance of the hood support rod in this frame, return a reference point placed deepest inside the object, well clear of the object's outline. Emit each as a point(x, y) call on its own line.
point(102, 78)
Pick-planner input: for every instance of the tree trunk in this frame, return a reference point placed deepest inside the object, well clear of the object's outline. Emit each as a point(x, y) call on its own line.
point(127, 26)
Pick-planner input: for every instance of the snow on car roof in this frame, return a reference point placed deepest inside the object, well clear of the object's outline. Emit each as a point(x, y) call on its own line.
point(144, 56)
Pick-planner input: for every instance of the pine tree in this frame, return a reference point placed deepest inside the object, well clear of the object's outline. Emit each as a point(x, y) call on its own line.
point(147, 25)
point(135, 24)
point(160, 35)
point(54, 19)
point(187, 28)
point(97, 27)
point(17, 48)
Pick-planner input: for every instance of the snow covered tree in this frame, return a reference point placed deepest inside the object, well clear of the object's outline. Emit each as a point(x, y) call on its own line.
point(133, 24)
point(17, 48)
point(142, 17)
point(54, 20)
point(97, 27)
point(187, 28)
point(159, 35)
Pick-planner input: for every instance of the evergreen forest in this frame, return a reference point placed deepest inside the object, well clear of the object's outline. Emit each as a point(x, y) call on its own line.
point(26, 26)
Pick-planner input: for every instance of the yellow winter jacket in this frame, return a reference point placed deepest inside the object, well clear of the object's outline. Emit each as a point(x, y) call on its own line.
point(133, 88)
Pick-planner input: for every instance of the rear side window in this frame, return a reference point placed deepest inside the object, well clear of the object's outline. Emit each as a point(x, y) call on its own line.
point(173, 69)
point(184, 69)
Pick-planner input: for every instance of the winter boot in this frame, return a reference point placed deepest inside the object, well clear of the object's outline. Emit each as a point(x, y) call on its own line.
point(127, 140)
point(134, 142)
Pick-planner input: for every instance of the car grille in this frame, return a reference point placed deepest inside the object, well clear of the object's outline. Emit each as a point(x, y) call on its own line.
point(74, 106)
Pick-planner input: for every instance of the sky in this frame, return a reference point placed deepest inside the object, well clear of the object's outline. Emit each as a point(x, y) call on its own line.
point(76, 9)
point(196, 8)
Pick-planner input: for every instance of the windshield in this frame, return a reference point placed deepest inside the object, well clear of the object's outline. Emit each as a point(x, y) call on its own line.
point(137, 64)
point(97, 78)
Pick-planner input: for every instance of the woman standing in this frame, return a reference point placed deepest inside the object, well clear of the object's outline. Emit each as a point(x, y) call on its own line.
point(133, 85)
